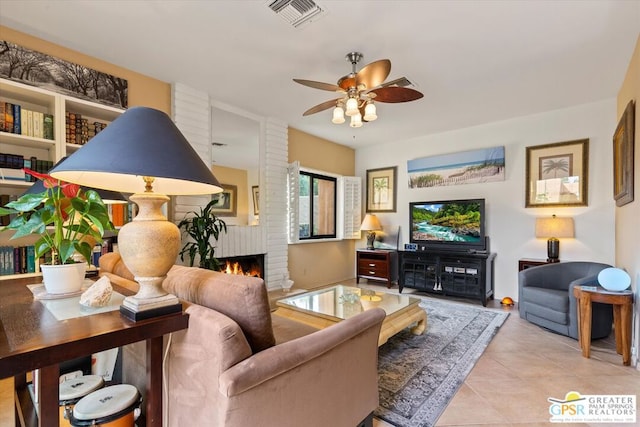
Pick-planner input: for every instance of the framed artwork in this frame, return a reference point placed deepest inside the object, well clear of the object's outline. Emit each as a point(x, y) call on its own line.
point(557, 174)
point(623, 152)
point(381, 189)
point(255, 190)
point(226, 203)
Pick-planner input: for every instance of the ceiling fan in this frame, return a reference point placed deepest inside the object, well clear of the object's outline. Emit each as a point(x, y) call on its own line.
point(359, 90)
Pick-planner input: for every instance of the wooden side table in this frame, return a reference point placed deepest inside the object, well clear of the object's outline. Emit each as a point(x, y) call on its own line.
point(32, 338)
point(525, 263)
point(376, 264)
point(622, 307)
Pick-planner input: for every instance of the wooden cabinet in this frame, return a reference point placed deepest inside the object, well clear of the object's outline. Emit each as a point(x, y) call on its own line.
point(525, 263)
point(448, 273)
point(51, 149)
point(376, 264)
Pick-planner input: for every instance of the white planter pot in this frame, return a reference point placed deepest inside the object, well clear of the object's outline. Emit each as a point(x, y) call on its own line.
point(63, 279)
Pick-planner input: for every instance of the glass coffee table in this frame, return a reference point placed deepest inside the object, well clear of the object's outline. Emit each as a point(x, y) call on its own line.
point(325, 307)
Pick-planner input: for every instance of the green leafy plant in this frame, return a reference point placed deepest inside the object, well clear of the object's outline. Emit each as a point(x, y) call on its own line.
point(201, 226)
point(67, 218)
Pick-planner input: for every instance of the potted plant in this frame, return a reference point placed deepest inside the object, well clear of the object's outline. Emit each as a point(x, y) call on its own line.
point(69, 220)
point(201, 226)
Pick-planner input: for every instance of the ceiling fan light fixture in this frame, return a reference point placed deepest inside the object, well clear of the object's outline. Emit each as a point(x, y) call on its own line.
point(356, 121)
point(352, 107)
point(370, 112)
point(338, 115)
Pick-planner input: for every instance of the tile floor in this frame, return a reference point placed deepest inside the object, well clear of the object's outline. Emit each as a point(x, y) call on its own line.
point(523, 366)
point(510, 384)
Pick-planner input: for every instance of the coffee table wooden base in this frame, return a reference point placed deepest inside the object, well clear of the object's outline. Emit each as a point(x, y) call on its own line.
point(391, 325)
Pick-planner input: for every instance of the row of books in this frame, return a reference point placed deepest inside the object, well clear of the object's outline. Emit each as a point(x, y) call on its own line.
point(22, 259)
point(109, 244)
point(11, 167)
point(16, 119)
point(17, 260)
point(78, 130)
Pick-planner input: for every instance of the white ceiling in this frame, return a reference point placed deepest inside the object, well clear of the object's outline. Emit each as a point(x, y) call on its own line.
point(475, 61)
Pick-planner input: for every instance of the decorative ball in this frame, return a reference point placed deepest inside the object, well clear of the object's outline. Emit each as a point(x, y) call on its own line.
point(614, 279)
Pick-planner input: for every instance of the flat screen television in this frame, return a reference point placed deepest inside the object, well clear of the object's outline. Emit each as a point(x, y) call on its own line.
point(456, 225)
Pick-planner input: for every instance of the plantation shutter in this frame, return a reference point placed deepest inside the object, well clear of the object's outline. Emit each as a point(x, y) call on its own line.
point(293, 198)
point(349, 207)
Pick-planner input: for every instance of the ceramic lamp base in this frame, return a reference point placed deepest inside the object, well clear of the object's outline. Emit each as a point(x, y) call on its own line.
point(149, 246)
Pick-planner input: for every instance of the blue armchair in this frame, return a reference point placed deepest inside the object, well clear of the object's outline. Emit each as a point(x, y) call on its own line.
point(545, 297)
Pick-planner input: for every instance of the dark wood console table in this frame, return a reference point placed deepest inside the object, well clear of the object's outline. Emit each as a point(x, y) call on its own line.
point(32, 338)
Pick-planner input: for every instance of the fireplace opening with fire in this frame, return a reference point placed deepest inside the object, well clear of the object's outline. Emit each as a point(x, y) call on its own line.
point(248, 265)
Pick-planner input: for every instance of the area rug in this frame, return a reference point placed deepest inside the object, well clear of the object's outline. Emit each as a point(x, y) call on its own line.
point(418, 375)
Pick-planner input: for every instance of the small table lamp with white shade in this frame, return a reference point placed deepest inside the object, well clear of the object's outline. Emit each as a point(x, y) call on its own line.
point(370, 224)
point(143, 152)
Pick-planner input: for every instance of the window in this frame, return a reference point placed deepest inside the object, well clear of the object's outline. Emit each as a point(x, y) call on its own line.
point(321, 205)
point(317, 204)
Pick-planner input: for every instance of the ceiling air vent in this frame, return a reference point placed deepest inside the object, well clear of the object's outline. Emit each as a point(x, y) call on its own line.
point(297, 12)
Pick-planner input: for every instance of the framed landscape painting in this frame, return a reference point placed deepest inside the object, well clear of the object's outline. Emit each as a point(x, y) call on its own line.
point(623, 152)
point(381, 189)
point(557, 174)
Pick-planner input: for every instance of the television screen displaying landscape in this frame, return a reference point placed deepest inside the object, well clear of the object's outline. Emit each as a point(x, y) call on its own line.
point(447, 221)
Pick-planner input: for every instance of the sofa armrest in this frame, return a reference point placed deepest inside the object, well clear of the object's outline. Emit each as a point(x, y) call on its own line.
point(275, 361)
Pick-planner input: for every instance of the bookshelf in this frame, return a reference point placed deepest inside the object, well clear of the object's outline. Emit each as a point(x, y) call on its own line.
point(33, 142)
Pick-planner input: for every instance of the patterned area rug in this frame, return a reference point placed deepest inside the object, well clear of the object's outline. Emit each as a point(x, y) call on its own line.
point(418, 375)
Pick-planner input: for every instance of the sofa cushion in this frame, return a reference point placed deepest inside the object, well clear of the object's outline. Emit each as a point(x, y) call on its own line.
point(242, 298)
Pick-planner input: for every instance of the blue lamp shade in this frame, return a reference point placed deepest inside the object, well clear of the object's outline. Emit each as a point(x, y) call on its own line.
point(614, 279)
point(142, 142)
point(107, 196)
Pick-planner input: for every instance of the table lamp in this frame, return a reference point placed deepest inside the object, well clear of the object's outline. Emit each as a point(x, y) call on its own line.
point(553, 228)
point(144, 153)
point(108, 197)
point(370, 225)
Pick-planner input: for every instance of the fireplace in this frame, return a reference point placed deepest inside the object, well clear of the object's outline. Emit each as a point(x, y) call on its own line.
point(246, 265)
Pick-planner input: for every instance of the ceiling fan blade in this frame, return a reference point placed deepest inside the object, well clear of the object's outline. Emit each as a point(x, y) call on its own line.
point(396, 94)
point(399, 82)
point(321, 107)
point(373, 74)
point(319, 85)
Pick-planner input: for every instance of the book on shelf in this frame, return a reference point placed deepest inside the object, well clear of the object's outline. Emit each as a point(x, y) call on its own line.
point(8, 117)
point(17, 121)
point(24, 122)
point(2, 107)
point(4, 199)
point(47, 127)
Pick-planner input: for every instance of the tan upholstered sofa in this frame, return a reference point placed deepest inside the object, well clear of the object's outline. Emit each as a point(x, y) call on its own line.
point(236, 365)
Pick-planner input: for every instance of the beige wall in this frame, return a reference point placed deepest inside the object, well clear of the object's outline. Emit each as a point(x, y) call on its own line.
point(143, 90)
point(237, 177)
point(316, 264)
point(628, 216)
